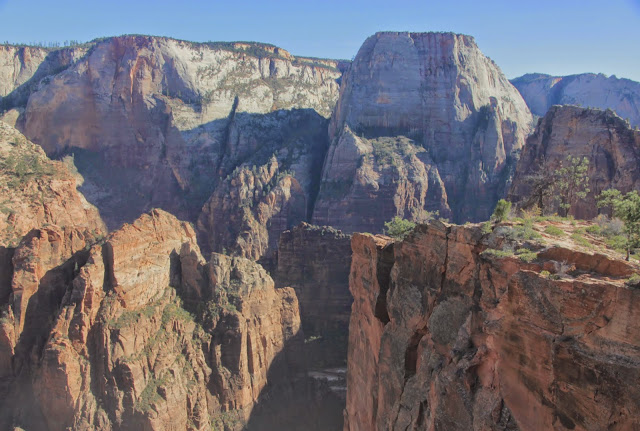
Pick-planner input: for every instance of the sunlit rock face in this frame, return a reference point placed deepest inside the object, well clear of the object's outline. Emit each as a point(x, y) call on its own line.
point(443, 336)
point(424, 122)
point(588, 90)
point(139, 331)
point(156, 122)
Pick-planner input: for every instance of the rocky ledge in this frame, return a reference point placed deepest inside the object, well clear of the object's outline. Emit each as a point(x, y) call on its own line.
point(452, 330)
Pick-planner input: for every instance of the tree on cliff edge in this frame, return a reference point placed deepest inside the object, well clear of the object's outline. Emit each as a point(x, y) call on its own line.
point(626, 208)
point(570, 182)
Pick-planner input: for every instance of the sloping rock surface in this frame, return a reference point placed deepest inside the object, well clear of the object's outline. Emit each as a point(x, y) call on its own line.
point(611, 146)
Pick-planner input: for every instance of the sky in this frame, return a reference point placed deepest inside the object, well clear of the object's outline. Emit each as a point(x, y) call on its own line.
point(558, 37)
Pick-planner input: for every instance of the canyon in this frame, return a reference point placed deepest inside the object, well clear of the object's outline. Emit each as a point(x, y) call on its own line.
point(183, 240)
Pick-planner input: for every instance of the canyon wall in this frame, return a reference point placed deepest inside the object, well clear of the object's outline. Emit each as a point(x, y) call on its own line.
point(23, 69)
point(424, 122)
point(175, 118)
point(444, 336)
point(315, 261)
point(590, 90)
point(611, 146)
point(146, 334)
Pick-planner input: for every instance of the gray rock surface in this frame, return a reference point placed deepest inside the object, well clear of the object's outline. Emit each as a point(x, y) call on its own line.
point(542, 91)
point(424, 122)
point(153, 121)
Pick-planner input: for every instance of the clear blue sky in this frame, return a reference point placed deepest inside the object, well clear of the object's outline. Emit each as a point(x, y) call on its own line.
point(558, 37)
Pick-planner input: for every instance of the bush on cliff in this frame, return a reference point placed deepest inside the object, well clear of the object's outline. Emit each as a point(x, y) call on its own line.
point(398, 227)
point(503, 208)
point(626, 208)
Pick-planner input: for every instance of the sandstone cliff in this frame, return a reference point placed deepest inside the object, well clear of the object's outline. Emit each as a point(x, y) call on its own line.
point(424, 122)
point(23, 69)
point(148, 335)
point(446, 336)
point(165, 115)
point(44, 223)
point(606, 140)
point(542, 91)
point(272, 190)
point(315, 262)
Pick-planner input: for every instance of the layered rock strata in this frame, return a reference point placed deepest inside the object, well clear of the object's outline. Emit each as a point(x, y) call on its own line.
point(592, 90)
point(23, 69)
point(610, 145)
point(45, 227)
point(163, 114)
point(424, 122)
point(443, 336)
point(150, 336)
point(36, 191)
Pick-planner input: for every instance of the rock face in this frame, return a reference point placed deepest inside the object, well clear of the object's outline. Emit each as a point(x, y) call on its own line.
point(35, 191)
point(444, 337)
point(273, 190)
point(45, 224)
point(424, 122)
point(542, 91)
point(150, 336)
point(606, 140)
point(165, 115)
point(24, 68)
point(315, 261)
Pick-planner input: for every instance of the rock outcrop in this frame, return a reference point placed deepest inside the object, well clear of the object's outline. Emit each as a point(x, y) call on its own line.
point(45, 227)
point(23, 69)
point(150, 336)
point(424, 122)
point(272, 191)
point(606, 140)
point(153, 122)
point(315, 261)
point(36, 191)
point(542, 91)
point(446, 336)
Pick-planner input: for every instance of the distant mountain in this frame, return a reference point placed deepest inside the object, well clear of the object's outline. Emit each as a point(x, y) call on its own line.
point(542, 91)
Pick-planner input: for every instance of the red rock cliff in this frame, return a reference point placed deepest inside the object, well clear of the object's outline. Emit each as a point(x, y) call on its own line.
point(443, 336)
point(150, 336)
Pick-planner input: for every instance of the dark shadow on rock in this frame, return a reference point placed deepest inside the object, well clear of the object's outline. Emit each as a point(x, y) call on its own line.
point(299, 402)
point(180, 171)
point(40, 316)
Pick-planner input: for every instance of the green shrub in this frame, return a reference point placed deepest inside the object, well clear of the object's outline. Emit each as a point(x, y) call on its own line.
point(399, 228)
point(545, 273)
point(594, 230)
point(526, 255)
point(579, 239)
point(497, 253)
point(634, 280)
point(502, 210)
point(487, 228)
point(554, 231)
